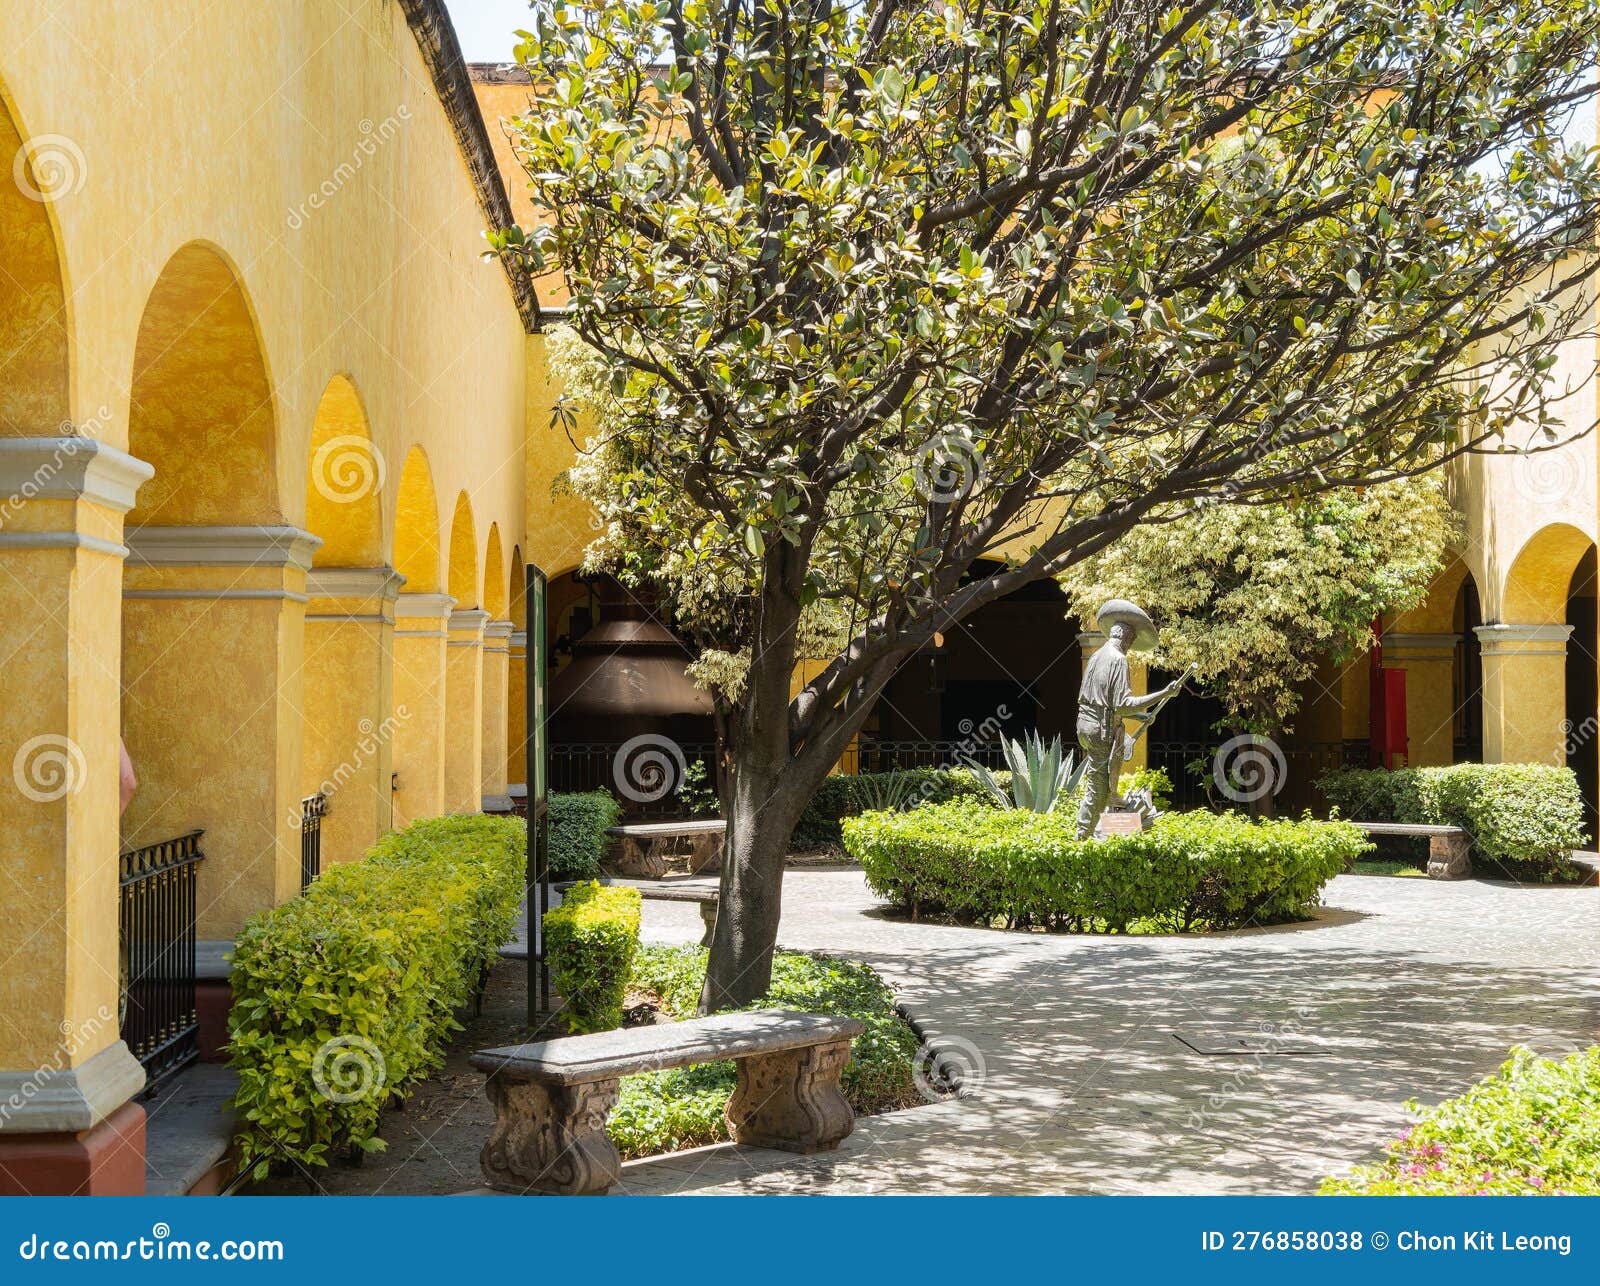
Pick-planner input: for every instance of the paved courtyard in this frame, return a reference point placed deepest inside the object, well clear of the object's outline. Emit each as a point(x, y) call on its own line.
point(1255, 1061)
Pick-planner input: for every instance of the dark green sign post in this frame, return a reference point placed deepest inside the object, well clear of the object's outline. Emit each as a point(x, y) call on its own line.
point(537, 749)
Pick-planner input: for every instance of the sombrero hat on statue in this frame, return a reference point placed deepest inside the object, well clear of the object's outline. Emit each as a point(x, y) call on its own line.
point(1118, 611)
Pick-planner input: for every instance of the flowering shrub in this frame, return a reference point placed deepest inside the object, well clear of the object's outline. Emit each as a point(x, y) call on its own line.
point(1522, 818)
point(1189, 871)
point(1533, 1128)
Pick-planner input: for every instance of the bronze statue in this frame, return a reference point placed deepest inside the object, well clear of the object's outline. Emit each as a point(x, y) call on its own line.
point(1105, 699)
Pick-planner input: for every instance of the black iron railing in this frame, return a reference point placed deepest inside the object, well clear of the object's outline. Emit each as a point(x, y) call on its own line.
point(873, 754)
point(634, 771)
point(313, 808)
point(157, 950)
point(1288, 777)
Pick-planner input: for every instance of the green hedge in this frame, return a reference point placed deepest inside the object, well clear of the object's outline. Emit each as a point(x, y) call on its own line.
point(1531, 1129)
point(578, 839)
point(1189, 871)
point(345, 995)
point(591, 939)
point(1524, 819)
point(668, 1111)
point(847, 795)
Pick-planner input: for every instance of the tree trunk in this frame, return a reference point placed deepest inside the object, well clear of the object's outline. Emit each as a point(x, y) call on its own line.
point(763, 805)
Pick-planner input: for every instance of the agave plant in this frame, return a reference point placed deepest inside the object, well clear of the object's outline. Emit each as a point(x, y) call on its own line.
point(1041, 775)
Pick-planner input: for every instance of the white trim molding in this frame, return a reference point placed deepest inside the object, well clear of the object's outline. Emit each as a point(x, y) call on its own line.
point(518, 638)
point(1523, 640)
point(469, 618)
point(71, 467)
point(221, 547)
point(420, 607)
point(61, 540)
point(1420, 646)
point(498, 630)
point(355, 582)
point(219, 595)
point(51, 1100)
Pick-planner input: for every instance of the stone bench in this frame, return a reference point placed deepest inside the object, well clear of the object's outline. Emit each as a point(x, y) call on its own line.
point(1449, 847)
point(640, 848)
point(551, 1098)
point(660, 892)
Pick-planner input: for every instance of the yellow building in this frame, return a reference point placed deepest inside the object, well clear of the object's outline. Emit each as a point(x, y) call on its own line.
point(275, 444)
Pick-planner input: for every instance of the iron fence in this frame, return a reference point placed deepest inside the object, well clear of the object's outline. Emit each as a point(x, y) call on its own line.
point(1198, 769)
point(872, 754)
point(313, 808)
point(610, 765)
point(158, 1018)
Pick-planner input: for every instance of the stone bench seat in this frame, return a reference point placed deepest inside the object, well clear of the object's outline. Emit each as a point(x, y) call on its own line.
point(640, 848)
point(551, 1098)
point(664, 891)
point(1449, 847)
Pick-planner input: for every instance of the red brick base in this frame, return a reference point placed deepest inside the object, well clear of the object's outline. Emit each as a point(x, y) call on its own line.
point(213, 999)
point(105, 1161)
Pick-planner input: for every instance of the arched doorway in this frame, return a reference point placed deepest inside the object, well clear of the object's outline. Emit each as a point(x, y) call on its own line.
point(463, 733)
point(421, 629)
point(348, 695)
point(496, 675)
point(517, 681)
point(213, 596)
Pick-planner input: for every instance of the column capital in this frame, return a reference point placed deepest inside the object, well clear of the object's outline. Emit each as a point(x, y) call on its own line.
point(498, 630)
point(1420, 647)
point(469, 620)
point(221, 547)
point(422, 615)
point(71, 467)
point(1523, 640)
point(355, 582)
point(518, 638)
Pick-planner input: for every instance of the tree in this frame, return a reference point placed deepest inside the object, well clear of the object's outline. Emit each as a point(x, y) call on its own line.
point(881, 290)
point(1253, 596)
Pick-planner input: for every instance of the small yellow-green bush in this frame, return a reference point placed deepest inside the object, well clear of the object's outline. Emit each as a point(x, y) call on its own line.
point(345, 995)
point(1189, 871)
point(590, 940)
point(1531, 1129)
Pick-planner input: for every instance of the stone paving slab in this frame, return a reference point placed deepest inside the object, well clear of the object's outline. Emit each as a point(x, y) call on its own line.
point(1076, 1079)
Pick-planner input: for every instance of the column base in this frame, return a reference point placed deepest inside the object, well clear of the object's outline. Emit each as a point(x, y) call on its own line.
point(107, 1161)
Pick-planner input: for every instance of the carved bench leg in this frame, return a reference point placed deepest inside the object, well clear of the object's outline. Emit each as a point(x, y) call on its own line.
point(639, 858)
point(705, 853)
point(551, 1138)
point(1449, 857)
point(792, 1100)
point(708, 917)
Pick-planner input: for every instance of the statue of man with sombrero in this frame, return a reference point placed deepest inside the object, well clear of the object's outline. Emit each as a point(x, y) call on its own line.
point(1105, 699)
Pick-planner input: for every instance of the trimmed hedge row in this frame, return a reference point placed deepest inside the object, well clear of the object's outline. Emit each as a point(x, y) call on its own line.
point(1531, 1129)
point(845, 796)
point(683, 1108)
point(1523, 818)
point(591, 939)
point(347, 994)
point(1189, 871)
point(578, 838)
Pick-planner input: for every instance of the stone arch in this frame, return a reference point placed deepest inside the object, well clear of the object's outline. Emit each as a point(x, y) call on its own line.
point(416, 526)
point(494, 576)
point(463, 574)
point(202, 407)
point(344, 481)
point(1540, 578)
point(35, 352)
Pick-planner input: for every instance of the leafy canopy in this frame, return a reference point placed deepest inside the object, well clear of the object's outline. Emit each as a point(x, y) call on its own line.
point(1254, 596)
point(878, 290)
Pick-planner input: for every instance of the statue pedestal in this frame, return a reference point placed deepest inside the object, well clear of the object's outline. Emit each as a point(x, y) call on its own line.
point(1119, 823)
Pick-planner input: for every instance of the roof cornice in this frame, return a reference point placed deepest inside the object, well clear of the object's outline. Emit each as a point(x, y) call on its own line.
point(441, 52)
